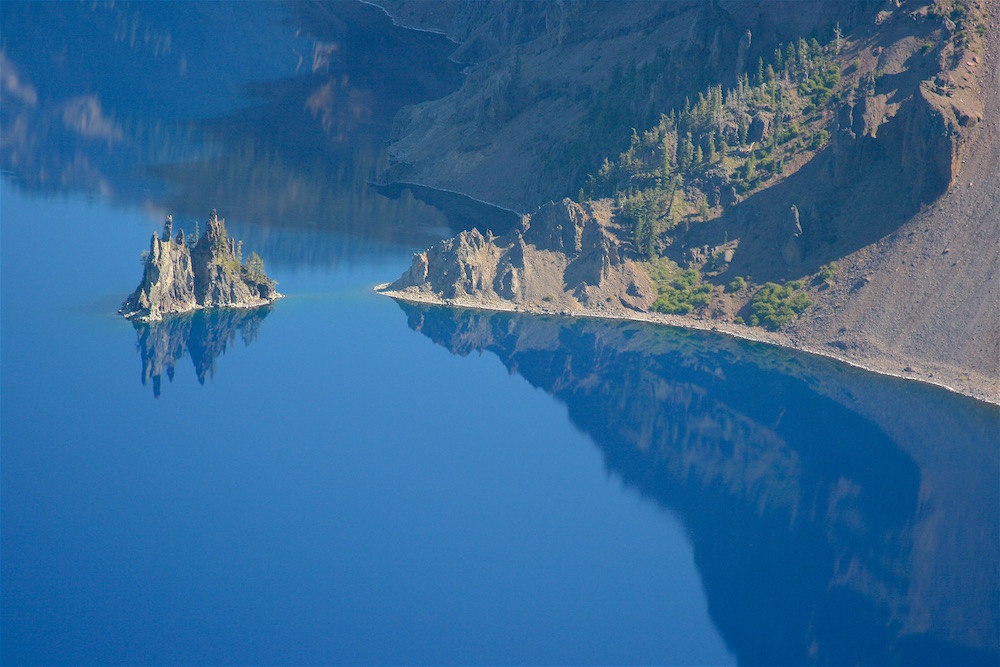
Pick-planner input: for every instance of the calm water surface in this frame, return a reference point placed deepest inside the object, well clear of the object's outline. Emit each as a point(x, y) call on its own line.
point(342, 479)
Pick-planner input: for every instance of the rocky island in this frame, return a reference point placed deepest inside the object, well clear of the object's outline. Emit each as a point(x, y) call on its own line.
point(179, 276)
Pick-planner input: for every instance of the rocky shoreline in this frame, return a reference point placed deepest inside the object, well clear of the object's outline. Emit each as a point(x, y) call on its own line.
point(574, 259)
point(888, 217)
point(945, 377)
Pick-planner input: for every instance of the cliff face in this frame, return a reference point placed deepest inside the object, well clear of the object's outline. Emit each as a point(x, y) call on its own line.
point(178, 278)
point(563, 256)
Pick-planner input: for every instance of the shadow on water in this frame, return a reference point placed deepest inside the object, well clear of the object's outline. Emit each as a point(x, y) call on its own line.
point(835, 516)
point(202, 335)
point(463, 212)
point(276, 114)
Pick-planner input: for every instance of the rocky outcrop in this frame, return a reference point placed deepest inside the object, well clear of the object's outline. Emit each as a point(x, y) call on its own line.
point(761, 126)
point(178, 277)
point(793, 247)
point(922, 138)
point(564, 256)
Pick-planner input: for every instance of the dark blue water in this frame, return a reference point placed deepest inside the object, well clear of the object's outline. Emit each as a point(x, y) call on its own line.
point(342, 479)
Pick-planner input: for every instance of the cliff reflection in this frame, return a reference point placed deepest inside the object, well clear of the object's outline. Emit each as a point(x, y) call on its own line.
point(829, 523)
point(276, 114)
point(203, 335)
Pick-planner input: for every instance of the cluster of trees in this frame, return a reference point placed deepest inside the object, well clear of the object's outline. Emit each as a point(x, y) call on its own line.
point(726, 143)
point(634, 97)
point(709, 152)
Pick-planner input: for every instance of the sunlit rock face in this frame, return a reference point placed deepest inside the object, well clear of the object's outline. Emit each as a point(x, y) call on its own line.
point(178, 277)
point(565, 255)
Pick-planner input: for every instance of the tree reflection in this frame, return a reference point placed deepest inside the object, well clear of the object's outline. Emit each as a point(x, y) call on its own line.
point(276, 114)
point(202, 335)
point(835, 516)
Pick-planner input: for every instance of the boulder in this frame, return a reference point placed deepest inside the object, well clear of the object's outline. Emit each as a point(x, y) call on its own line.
point(761, 126)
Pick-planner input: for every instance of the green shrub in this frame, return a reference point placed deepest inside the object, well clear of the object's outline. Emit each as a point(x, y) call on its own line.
point(736, 284)
point(682, 294)
point(774, 305)
point(828, 271)
point(818, 140)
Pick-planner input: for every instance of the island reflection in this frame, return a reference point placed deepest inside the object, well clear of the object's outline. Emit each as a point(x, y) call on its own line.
point(830, 523)
point(203, 335)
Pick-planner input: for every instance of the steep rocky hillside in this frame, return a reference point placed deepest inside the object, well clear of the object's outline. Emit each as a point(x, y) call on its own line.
point(555, 87)
point(930, 290)
point(834, 177)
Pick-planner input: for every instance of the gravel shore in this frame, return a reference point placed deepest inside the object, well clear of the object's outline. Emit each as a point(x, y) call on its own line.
point(947, 377)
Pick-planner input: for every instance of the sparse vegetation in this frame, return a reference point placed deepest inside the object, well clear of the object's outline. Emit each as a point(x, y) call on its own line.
point(721, 146)
point(716, 149)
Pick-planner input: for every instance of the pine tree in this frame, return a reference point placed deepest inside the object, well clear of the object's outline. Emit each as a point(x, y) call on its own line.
point(789, 58)
point(687, 152)
point(255, 266)
point(703, 209)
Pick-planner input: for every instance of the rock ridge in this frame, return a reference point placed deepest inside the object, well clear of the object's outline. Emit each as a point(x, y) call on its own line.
point(564, 256)
point(179, 277)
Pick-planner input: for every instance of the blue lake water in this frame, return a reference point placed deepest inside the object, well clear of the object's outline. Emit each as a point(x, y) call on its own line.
point(344, 479)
